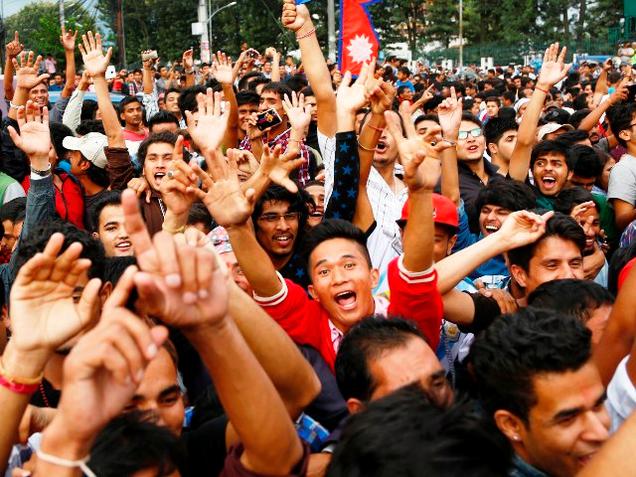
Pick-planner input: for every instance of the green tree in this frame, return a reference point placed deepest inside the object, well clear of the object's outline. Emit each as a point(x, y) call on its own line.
point(39, 26)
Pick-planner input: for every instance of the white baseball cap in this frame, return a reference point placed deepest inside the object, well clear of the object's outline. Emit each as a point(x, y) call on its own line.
point(91, 146)
point(552, 127)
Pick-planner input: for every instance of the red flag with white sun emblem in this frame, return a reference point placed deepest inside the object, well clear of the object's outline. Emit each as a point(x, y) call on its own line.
point(358, 39)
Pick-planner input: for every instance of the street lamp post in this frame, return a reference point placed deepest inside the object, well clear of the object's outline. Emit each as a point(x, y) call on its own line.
point(209, 21)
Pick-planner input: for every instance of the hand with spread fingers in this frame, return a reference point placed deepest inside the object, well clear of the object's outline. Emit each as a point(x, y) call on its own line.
point(182, 285)
point(46, 309)
point(298, 114)
point(222, 68)
point(93, 56)
point(351, 97)
point(278, 166)
point(553, 68)
point(174, 187)
point(208, 127)
point(34, 138)
point(419, 155)
point(26, 71)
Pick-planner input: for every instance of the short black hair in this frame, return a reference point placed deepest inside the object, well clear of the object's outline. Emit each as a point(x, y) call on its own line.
point(571, 296)
point(585, 161)
point(114, 269)
point(332, 229)
point(131, 443)
point(578, 116)
point(244, 82)
point(515, 348)
point(247, 97)
point(39, 236)
point(14, 210)
point(296, 83)
point(276, 193)
point(364, 342)
point(493, 99)
point(620, 117)
point(128, 100)
point(90, 125)
point(58, 132)
point(161, 137)
point(426, 117)
point(406, 434)
point(188, 99)
point(549, 146)
point(111, 197)
point(279, 88)
point(495, 128)
point(162, 117)
point(404, 70)
point(571, 197)
point(199, 214)
point(509, 194)
point(467, 116)
point(507, 113)
point(559, 225)
point(570, 138)
point(89, 110)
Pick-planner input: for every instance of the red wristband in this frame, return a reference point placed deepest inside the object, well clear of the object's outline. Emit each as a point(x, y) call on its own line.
point(375, 128)
point(17, 387)
point(542, 90)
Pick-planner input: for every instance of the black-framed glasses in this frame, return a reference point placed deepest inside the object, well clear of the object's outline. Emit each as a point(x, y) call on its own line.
point(273, 218)
point(476, 132)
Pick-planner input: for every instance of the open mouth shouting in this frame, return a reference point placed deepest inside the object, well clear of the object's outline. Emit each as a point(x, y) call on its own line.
point(159, 176)
point(549, 183)
point(347, 300)
point(491, 228)
point(381, 147)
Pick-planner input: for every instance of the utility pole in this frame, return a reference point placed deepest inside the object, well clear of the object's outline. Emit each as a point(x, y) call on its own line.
point(203, 20)
point(461, 36)
point(121, 34)
point(61, 6)
point(331, 29)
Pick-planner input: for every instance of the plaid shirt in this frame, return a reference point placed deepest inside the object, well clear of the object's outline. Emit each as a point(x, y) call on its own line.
point(282, 139)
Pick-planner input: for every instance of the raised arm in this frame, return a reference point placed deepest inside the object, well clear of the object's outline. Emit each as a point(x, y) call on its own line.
point(12, 50)
point(196, 300)
point(552, 71)
point(96, 64)
point(224, 74)
point(68, 42)
point(72, 116)
point(297, 19)
point(450, 117)
point(519, 229)
point(188, 67)
point(594, 116)
point(27, 78)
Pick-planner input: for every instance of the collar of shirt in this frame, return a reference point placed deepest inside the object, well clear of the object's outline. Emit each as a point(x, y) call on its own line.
point(336, 336)
point(381, 308)
point(489, 168)
point(520, 468)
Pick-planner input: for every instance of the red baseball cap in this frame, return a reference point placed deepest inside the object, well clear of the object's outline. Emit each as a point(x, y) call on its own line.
point(444, 211)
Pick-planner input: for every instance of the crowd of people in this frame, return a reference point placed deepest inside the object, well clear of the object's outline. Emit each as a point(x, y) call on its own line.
point(266, 267)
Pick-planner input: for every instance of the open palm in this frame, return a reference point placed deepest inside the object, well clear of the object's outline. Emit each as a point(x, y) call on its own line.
point(553, 68)
point(26, 71)
point(94, 59)
point(208, 129)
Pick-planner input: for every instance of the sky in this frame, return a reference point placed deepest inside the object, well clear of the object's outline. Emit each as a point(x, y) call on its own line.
point(13, 6)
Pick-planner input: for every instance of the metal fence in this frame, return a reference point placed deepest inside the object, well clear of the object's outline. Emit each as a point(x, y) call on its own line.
point(518, 53)
point(623, 32)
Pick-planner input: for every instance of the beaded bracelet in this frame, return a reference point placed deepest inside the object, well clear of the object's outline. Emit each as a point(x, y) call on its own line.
point(306, 35)
point(69, 464)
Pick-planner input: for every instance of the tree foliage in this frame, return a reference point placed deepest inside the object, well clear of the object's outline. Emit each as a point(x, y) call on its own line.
point(39, 26)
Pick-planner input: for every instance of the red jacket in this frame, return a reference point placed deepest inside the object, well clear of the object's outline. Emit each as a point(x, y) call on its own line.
point(414, 296)
point(69, 199)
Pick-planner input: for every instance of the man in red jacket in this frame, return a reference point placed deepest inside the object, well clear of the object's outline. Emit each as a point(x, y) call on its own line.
point(339, 265)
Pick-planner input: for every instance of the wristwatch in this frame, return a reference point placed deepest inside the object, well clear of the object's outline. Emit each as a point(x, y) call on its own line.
point(44, 173)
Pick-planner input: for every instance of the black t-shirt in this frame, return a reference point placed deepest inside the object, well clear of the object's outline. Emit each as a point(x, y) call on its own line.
point(206, 448)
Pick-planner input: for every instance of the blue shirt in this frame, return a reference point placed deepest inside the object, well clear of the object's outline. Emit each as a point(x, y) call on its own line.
point(406, 83)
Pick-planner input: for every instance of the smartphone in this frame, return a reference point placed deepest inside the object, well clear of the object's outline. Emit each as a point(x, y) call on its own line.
point(268, 119)
point(252, 53)
point(149, 55)
point(111, 73)
point(631, 97)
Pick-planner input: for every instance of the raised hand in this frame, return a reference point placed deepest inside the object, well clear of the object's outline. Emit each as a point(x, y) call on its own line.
point(350, 97)
point(106, 366)
point(298, 114)
point(94, 59)
point(449, 113)
point(553, 68)
point(150, 62)
point(141, 187)
point(67, 38)
point(222, 68)
point(222, 193)
point(14, 47)
point(419, 155)
point(182, 285)
point(188, 59)
point(381, 95)
point(522, 227)
point(44, 310)
point(278, 166)
point(26, 71)
point(208, 128)
point(174, 187)
point(34, 138)
point(294, 17)
point(426, 96)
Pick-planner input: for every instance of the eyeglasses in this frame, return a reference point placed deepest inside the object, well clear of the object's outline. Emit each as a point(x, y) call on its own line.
point(273, 218)
point(473, 132)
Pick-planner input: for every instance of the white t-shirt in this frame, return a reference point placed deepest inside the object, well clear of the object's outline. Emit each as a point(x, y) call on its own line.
point(621, 396)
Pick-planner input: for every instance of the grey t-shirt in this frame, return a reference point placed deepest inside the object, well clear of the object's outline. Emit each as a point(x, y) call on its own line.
point(622, 181)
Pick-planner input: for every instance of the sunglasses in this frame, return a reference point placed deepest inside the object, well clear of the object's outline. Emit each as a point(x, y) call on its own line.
point(473, 132)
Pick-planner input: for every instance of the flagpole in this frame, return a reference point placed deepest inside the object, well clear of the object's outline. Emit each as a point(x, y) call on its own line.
point(461, 36)
point(331, 29)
